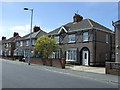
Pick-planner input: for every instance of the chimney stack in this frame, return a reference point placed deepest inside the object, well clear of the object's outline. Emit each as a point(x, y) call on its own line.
point(77, 18)
point(36, 28)
point(15, 34)
point(3, 38)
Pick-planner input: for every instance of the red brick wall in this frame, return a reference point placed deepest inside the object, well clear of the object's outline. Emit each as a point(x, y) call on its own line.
point(49, 62)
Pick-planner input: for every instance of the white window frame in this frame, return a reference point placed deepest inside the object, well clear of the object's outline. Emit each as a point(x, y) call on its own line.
point(56, 54)
point(107, 38)
point(85, 36)
point(33, 42)
point(6, 44)
point(27, 42)
point(21, 43)
point(9, 44)
point(71, 38)
point(17, 43)
point(71, 54)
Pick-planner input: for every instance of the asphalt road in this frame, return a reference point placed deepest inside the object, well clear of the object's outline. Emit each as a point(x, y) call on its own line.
point(21, 75)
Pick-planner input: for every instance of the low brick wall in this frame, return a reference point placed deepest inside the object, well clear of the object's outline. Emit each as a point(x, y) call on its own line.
point(48, 62)
point(113, 68)
point(58, 63)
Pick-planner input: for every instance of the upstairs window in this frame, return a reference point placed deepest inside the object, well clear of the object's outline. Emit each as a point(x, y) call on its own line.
point(106, 38)
point(33, 42)
point(21, 43)
point(7, 45)
point(71, 38)
point(56, 39)
point(27, 43)
point(85, 36)
point(17, 43)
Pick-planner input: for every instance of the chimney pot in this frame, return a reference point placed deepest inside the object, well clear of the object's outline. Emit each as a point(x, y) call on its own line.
point(77, 18)
point(3, 38)
point(15, 34)
point(36, 28)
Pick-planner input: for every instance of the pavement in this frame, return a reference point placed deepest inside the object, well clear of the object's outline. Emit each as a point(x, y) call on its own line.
point(100, 70)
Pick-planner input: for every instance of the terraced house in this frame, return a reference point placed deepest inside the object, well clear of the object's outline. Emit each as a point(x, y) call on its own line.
point(84, 41)
point(8, 45)
point(22, 44)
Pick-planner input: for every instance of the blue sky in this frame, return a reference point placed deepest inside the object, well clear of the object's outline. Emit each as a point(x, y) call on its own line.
point(50, 15)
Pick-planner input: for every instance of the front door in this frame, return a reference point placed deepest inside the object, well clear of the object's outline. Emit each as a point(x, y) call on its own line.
point(85, 58)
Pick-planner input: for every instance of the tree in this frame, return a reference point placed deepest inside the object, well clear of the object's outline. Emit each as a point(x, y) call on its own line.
point(45, 46)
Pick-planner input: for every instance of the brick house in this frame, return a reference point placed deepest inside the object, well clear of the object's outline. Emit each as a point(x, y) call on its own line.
point(84, 41)
point(117, 40)
point(8, 45)
point(22, 44)
point(0, 48)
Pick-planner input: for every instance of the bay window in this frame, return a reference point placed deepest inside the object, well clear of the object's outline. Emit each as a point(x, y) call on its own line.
point(71, 54)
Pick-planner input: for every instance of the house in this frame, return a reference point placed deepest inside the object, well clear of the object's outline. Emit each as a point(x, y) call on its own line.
point(8, 45)
point(0, 48)
point(84, 41)
point(117, 40)
point(22, 44)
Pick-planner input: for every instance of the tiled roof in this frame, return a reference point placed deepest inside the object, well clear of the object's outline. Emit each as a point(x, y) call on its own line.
point(33, 35)
point(82, 25)
point(12, 39)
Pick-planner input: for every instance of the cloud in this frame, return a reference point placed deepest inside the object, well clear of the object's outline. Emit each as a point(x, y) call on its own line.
point(22, 30)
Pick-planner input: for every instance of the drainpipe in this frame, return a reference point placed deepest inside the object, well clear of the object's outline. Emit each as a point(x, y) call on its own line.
point(94, 39)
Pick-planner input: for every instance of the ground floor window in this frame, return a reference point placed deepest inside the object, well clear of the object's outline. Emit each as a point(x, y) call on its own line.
point(26, 53)
point(56, 54)
point(71, 54)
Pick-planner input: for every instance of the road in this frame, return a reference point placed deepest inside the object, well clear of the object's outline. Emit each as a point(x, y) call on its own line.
point(20, 75)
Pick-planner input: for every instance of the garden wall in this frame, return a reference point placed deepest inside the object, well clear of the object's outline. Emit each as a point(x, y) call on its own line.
point(49, 62)
point(113, 68)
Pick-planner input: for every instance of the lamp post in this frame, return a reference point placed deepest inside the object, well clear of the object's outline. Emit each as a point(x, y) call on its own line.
point(30, 33)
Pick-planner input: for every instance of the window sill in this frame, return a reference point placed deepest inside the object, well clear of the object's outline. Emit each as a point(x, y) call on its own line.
point(71, 42)
point(85, 41)
point(71, 60)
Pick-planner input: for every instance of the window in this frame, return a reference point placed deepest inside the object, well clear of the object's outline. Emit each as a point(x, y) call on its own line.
point(27, 43)
point(33, 42)
point(21, 43)
point(71, 38)
point(56, 54)
point(17, 43)
point(106, 38)
point(56, 39)
point(85, 36)
point(9, 53)
point(7, 45)
point(71, 54)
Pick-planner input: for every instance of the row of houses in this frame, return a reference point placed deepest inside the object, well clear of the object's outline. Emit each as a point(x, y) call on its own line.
point(83, 41)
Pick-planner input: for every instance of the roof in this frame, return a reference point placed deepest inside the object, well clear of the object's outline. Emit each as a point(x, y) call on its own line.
point(82, 25)
point(117, 22)
point(12, 39)
point(33, 35)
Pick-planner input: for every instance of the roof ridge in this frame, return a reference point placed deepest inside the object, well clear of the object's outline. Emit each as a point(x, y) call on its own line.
point(90, 22)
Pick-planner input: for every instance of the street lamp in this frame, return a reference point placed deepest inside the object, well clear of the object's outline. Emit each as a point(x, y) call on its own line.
point(30, 33)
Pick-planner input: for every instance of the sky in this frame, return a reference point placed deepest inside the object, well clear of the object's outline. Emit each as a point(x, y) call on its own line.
point(51, 15)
